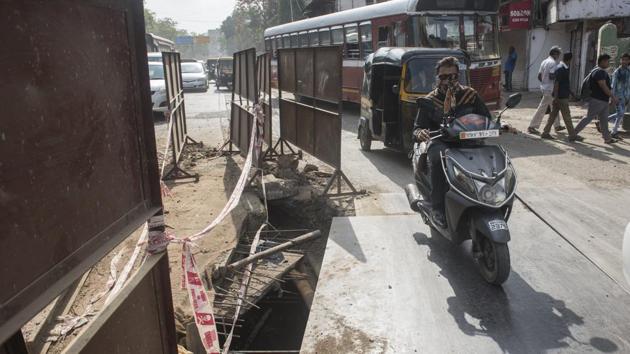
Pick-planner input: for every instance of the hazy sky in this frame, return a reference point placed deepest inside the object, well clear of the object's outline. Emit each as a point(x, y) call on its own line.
point(193, 15)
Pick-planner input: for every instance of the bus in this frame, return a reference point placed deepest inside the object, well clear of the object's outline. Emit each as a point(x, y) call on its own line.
point(470, 25)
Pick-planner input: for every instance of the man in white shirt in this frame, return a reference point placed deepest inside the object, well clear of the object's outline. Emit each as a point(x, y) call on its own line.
point(547, 79)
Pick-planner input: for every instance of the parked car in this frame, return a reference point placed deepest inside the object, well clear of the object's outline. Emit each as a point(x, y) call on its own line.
point(194, 76)
point(158, 89)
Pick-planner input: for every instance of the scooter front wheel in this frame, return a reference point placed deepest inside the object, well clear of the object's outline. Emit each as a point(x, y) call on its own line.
point(493, 261)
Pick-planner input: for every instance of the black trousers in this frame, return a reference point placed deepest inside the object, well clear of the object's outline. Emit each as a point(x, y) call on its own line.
point(439, 185)
point(508, 80)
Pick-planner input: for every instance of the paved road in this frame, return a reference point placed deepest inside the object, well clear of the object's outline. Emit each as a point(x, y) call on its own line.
point(566, 292)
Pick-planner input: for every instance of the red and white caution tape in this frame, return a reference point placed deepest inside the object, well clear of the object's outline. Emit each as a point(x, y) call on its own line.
point(202, 307)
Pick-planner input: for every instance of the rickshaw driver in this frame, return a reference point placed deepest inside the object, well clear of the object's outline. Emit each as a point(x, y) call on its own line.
point(449, 97)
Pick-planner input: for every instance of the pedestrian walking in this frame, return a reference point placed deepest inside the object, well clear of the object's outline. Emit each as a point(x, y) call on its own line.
point(546, 76)
point(621, 90)
point(560, 104)
point(600, 96)
point(508, 68)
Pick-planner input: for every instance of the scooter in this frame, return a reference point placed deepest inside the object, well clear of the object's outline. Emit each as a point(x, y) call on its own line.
point(482, 185)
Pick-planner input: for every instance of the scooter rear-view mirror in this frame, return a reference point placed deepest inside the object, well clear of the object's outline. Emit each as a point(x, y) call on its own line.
point(513, 100)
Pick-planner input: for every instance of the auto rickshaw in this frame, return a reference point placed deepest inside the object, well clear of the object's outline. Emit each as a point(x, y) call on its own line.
point(211, 64)
point(224, 72)
point(393, 79)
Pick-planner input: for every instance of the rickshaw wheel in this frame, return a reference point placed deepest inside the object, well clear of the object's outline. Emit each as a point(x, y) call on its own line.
point(365, 139)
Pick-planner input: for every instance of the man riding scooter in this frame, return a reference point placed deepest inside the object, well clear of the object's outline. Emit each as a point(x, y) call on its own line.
point(448, 97)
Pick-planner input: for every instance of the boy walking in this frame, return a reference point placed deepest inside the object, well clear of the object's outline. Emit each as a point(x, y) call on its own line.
point(601, 94)
point(561, 93)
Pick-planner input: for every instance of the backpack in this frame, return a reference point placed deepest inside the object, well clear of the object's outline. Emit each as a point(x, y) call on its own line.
point(585, 87)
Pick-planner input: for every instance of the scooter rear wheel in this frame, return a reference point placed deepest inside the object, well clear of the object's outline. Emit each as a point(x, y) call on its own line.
point(494, 261)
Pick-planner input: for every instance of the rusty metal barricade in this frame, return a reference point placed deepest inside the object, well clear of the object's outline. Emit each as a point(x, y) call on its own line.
point(79, 166)
point(244, 97)
point(310, 88)
point(139, 319)
point(263, 74)
point(178, 131)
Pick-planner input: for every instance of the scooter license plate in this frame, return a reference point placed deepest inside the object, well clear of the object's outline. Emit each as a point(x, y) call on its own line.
point(479, 134)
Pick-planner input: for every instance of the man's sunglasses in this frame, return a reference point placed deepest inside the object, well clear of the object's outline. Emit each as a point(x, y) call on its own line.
point(448, 77)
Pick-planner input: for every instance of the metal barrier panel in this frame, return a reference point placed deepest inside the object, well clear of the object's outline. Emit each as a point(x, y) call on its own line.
point(310, 100)
point(79, 169)
point(245, 76)
point(175, 98)
point(264, 94)
point(244, 97)
point(139, 319)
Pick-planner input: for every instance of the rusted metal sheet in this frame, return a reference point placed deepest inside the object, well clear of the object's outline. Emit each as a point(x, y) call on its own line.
point(310, 100)
point(244, 97)
point(327, 77)
point(139, 319)
point(178, 130)
point(79, 168)
point(245, 88)
point(264, 94)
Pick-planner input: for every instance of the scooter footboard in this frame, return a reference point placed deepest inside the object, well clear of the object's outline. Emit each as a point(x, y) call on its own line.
point(493, 226)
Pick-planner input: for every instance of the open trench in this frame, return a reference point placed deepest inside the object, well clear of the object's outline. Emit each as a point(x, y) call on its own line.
point(278, 322)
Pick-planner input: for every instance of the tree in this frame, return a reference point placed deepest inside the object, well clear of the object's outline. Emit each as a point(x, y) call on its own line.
point(163, 27)
point(245, 27)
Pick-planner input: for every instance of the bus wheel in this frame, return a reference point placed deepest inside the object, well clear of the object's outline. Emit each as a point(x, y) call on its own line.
point(364, 138)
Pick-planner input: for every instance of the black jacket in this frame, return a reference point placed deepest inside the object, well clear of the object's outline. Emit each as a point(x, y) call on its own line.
point(468, 101)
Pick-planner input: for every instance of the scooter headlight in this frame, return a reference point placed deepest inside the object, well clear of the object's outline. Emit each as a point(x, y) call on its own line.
point(464, 181)
point(493, 194)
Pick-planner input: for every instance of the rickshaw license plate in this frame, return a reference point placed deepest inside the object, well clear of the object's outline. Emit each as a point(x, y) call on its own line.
point(479, 134)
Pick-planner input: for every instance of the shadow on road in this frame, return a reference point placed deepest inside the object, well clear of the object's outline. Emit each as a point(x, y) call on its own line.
point(348, 240)
point(516, 317)
point(522, 145)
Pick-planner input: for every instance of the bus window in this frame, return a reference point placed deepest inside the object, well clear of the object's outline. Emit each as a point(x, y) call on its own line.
point(294, 40)
point(303, 39)
point(286, 41)
point(268, 45)
point(441, 32)
point(487, 36)
point(313, 38)
point(337, 35)
point(480, 36)
point(352, 42)
point(366, 39)
point(324, 36)
point(399, 35)
point(277, 43)
point(383, 37)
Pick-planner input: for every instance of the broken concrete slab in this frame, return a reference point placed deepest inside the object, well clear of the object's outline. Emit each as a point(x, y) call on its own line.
point(388, 286)
point(278, 188)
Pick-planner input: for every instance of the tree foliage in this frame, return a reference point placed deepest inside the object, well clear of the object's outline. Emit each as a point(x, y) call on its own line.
point(163, 27)
point(245, 27)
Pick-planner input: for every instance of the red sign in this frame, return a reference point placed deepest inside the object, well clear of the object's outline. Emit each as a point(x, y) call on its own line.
point(516, 15)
